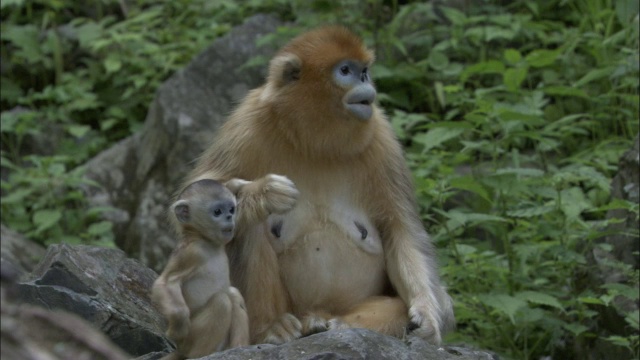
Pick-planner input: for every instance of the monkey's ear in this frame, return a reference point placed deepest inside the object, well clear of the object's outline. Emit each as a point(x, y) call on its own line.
point(181, 209)
point(284, 69)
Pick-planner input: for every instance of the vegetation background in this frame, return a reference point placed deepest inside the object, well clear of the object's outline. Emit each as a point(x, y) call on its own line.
point(514, 115)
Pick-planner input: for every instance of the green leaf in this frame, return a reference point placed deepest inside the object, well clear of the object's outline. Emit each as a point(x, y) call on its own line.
point(521, 172)
point(442, 100)
point(540, 298)
point(560, 90)
point(486, 67)
point(464, 249)
point(100, 228)
point(514, 77)
point(574, 202)
point(45, 219)
point(17, 196)
point(456, 17)
point(543, 57)
point(630, 292)
point(626, 10)
point(504, 303)
point(619, 340)
point(591, 300)
point(575, 329)
point(5, 3)
point(112, 64)
point(24, 37)
point(468, 183)
point(87, 33)
point(512, 56)
point(438, 61)
point(632, 319)
point(78, 131)
point(531, 211)
point(436, 136)
point(593, 75)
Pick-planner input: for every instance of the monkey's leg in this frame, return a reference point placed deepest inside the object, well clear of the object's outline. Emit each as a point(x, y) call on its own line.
point(239, 332)
point(173, 356)
point(267, 301)
point(210, 326)
point(387, 315)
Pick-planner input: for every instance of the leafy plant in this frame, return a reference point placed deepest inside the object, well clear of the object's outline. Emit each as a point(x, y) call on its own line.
point(513, 116)
point(76, 78)
point(541, 104)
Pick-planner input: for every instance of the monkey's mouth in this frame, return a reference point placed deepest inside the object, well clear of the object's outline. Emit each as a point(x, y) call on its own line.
point(360, 101)
point(362, 110)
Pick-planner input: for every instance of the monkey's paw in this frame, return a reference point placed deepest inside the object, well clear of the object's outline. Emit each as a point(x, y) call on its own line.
point(235, 185)
point(287, 328)
point(424, 322)
point(313, 324)
point(280, 194)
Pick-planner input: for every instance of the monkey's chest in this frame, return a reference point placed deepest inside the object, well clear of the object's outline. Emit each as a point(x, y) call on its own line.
point(212, 277)
point(325, 252)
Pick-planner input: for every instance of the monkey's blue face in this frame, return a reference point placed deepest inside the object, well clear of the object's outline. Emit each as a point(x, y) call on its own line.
point(353, 76)
point(222, 215)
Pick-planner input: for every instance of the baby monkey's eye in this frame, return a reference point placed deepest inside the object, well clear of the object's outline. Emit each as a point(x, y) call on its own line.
point(217, 212)
point(344, 70)
point(232, 210)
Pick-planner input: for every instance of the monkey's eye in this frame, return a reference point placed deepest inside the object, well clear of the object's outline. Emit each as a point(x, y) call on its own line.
point(344, 70)
point(232, 210)
point(217, 212)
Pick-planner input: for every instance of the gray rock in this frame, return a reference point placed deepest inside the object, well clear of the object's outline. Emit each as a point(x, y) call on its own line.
point(105, 288)
point(33, 333)
point(18, 254)
point(139, 175)
point(350, 344)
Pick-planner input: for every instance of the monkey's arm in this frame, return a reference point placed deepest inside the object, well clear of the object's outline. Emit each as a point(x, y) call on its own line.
point(257, 274)
point(167, 294)
point(410, 257)
point(239, 332)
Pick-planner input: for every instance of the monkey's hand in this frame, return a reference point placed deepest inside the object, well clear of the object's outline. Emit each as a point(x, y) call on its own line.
point(271, 194)
point(287, 328)
point(280, 193)
point(425, 321)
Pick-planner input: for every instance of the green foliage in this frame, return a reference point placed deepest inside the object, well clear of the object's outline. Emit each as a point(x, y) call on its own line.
point(514, 119)
point(75, 78)
point(513, 116)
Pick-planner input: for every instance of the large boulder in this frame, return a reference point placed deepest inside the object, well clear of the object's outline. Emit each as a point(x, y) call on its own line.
point(351, 344)
point(139, 174)
point(78, 294)
point(102, 286)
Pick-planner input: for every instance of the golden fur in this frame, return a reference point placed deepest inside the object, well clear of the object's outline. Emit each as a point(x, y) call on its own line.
point(205, 313)
point(352, 250)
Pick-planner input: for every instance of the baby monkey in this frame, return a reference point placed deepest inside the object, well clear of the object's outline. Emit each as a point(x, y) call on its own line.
point(205, 313)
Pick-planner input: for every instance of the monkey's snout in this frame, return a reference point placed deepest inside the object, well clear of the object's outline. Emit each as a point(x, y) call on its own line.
point(227, 229)
point(359, 101)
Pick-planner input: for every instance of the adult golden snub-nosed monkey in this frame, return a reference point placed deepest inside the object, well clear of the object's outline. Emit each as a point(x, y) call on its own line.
point(329, 234)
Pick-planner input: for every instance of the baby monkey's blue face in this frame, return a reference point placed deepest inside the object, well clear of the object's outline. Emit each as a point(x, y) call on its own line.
point(222, 215)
